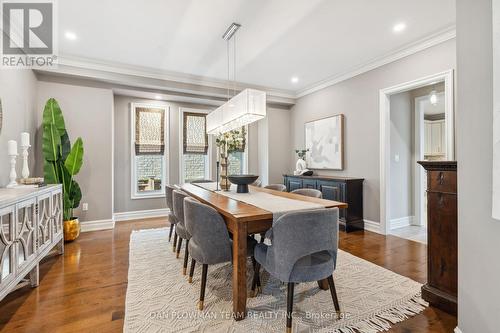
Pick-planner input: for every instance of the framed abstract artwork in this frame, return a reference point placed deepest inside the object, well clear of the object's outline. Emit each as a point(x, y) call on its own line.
point(325, 141)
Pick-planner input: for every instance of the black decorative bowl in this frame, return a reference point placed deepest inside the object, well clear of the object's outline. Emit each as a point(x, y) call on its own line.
point(242, 181)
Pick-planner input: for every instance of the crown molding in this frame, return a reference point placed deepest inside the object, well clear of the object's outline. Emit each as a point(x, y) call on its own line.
point(425, 43)
point(71, 63)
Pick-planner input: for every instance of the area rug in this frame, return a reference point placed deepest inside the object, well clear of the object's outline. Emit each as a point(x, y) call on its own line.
point(159, 298)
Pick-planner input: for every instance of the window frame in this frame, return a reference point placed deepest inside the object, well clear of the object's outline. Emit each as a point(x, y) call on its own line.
point(134, 194)
point(208, 157)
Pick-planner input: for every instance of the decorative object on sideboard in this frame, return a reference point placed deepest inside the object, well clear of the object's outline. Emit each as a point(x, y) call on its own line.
point(62, 161)
point(301, 165)
point(25, 145)
point(325, 141)
point(242, 181)
point(227, 143)
point(12, 152)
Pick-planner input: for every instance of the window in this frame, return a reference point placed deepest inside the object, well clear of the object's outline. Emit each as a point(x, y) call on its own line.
point(195, 147)
point(148, 150)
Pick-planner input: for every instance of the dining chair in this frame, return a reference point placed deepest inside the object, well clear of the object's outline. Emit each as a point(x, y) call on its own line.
point(210, 243)
point(276, 187)
point(257, 183)
point(180, 228)
point(309, 192)
point(313, 256)
point(169, 189)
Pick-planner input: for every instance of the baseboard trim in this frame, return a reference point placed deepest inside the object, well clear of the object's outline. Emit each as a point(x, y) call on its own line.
point(372, 226)
point(87, 226)
point(140, 214)
point(401, 222)
point(457, 330)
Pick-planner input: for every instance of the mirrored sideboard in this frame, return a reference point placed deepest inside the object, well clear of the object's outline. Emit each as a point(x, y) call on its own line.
point(31, 225)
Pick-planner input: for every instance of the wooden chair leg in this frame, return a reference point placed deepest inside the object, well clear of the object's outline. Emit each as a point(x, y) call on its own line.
point(289, 307)
point(175, 241)
point(186, 255)
point(179, 244)
point(256, 289)
point(334, 294)
point(191, 270)
point(262, 237)
point(170, 233)
point(204, 272)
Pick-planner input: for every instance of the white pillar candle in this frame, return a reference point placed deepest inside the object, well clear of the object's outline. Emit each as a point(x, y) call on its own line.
point(25, 139)
point(12, 147)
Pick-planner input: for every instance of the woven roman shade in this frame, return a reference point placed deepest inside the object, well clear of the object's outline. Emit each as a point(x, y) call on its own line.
point(149, 131)
point(195, 138)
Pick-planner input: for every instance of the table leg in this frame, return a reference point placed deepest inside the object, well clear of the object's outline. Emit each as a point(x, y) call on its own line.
point(323, 284)
point(240, 271)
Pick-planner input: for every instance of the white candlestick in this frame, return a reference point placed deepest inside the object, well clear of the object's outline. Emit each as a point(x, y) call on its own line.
point(25, 139)
point(12, 148)
point(13, 174)
point(26, 171)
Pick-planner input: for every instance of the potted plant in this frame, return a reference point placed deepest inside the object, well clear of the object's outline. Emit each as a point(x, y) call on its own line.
point(228, 143)
point(62, 161)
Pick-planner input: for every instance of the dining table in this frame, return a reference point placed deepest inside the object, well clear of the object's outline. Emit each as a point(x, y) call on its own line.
point(249, 214)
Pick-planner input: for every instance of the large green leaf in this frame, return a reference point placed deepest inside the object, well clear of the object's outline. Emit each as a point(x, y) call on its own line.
point(74, 160)
point(51, 143)
point(65, 145)
point(52, 114)
point(50, 173)
point(75, 194)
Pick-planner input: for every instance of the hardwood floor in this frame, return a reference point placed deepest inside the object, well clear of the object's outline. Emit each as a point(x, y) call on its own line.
point(84, 290)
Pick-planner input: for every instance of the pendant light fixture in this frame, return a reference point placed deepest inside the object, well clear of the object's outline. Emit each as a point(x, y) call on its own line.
point(242, 109)
point(433, 98)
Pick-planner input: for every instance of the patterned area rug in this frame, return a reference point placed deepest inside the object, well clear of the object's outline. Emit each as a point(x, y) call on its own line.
point(159, 298)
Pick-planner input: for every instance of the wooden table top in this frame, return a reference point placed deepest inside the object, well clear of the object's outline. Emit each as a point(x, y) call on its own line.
point(243, 212)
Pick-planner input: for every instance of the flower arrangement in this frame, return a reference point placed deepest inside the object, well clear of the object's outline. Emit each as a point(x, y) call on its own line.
point(232, 141)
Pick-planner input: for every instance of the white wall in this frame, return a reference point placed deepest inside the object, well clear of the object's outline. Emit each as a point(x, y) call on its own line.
point(18, 95)
point(88, 113)
point(402, 134)
point(358, 100)
point(478, 233)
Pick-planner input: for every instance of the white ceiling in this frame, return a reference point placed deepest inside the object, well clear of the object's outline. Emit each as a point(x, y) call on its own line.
point(311, 39)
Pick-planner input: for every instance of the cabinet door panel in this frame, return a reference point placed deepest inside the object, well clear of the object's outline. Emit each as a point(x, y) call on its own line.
point(56, 214)
point(25, 232)
point(309, 183)
point(294, 184)
point(44, 222)
point(7, 267)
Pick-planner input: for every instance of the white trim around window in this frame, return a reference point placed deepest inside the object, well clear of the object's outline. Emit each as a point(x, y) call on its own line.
point(134, 194)
point(208, 157)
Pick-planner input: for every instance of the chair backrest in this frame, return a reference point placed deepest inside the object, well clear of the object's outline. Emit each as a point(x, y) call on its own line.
point(208, 231)
point(276, 187)
point(257, 183)
point(169, 189)
point(309, 232)
point(308, 192)
point(178, 197)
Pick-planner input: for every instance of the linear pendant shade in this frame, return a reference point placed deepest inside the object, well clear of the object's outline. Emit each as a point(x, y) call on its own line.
point(243, 109)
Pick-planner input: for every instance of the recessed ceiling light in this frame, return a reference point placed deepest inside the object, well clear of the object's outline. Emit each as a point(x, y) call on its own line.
point(399, 27)
point(70, 35)
point(158, 97)
point(295, 79)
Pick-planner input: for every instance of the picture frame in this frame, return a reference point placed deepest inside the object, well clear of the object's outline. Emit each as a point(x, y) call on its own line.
point(325, 140)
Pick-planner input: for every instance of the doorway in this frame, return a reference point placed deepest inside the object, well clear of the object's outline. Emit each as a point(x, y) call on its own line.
point(417, 123)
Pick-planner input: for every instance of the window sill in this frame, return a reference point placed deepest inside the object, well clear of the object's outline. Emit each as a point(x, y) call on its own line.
point(147, 196)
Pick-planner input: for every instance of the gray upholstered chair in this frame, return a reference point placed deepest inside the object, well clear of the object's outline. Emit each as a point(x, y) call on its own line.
point(180, 228)
point(309, 192)
point(313, 256)
point(276, 187)
point(210, 243)
point(169, 189)
point(257, 183)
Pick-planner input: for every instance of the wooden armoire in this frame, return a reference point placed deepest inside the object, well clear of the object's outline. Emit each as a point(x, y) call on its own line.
point(442, 235)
